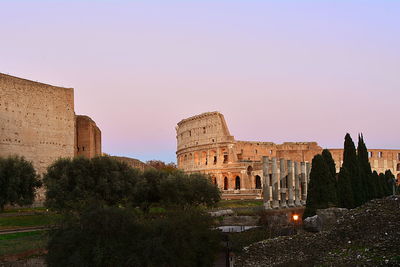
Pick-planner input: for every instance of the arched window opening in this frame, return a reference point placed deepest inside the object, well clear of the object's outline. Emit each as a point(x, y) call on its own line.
point(237, 183)
point(258, 182)
point(398, 167)
point(249, 170)
point(214, 180)
point(225, 183)
point(270, 179)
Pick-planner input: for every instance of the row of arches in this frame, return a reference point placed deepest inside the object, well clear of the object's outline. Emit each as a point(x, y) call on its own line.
point(237, 185)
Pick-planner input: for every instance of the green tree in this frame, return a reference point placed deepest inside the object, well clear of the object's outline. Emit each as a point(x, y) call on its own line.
point(351, 164)
point(189, 190)
point(110, 236)
point(73, 184)
point(390, 181)
point(344, 189)
point(18, 181)
point(365, 169)
point(322, 188)
point(379, 190)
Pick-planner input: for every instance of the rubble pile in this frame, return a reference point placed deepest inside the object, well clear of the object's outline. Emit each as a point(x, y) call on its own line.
point(365, 236)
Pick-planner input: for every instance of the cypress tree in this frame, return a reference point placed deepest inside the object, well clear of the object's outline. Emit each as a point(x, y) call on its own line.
point(321, 192)
point(344, 189)
point(383, 183)
point(350, 163)
point(390, 179)
point(377, 185)
point(365, 169)
point(326, 154)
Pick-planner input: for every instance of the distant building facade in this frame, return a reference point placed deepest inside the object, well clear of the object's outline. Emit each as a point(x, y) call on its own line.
point(205, 145)
point(38, 121)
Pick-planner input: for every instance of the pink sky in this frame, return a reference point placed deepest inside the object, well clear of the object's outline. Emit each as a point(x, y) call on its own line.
point(278, 70)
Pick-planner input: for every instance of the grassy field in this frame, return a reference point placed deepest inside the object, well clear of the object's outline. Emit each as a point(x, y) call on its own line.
point(16, 210)
point(15, 222)
point(11, 244)
point(231, 204)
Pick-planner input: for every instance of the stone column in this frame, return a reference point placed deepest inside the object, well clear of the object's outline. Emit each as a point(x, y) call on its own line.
point(283, 183)
point(290, 185)
point(308, 171)
point(266, 192)
point(275, 192)
point(297, 183)
point(303, 183)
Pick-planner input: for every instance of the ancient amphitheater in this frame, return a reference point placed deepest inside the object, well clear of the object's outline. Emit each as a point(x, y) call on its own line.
point(240, 168)
point(38, 121)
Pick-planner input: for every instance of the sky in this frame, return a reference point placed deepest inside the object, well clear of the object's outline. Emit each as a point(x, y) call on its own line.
point(279, 71)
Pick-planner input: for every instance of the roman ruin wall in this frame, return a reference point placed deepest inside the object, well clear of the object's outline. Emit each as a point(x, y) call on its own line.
point(37, 121)
point(88, 137)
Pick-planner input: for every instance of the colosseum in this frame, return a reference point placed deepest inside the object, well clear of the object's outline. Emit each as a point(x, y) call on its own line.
point(241, 168)
point(38, 121)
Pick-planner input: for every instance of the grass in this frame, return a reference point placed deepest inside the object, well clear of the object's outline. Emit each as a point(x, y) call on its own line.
point(13, 222)
point(17, 210)
point(16, 243)
point(225, 204)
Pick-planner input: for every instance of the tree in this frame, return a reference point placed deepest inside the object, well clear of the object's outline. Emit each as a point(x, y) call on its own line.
point(18, 181)
point(110, 236)
point(379, 190)
point(73, 184)
point(390, 181)
point(344, 189)
point(365, 169)
point(326, 154)
point(322, 188)
point(351, 164)
point(189, 190)
point(161, 165)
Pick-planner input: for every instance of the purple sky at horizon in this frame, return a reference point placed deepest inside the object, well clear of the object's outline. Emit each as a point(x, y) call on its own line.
point(279, 71)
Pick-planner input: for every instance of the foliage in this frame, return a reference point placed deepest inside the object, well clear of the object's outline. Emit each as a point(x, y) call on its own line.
point(350, 162)
point(161, 165)
point(322, 188)
point(365, 169)
point(110, 236)
point(18, 181)
point(344, 189)
point(73, 184)
point(188, 190)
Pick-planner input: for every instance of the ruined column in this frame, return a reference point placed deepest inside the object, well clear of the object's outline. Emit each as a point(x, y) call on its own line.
point(290, 183)
point(275, 192)
point(266, 192)
point(308, 171)
point(303, 183)
point(283, 183)
point(297, 183)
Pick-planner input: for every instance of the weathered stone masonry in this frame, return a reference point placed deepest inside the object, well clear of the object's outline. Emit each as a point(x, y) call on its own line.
point(38, 121)
point(241, 169)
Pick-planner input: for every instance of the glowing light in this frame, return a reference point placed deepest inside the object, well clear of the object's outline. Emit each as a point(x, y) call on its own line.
point(295, 217)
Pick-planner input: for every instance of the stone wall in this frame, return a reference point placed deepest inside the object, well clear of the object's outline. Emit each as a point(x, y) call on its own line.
point(88, 137)
point(37, 121)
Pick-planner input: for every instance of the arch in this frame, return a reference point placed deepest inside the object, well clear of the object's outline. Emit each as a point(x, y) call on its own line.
point(196, 158)
point(249, 170)
point(204, 158)
point(214, 180)
point(398, 167)
point(226, 183)
point(258, 182)
point(237, 183)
